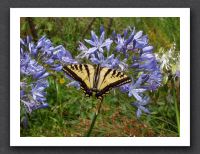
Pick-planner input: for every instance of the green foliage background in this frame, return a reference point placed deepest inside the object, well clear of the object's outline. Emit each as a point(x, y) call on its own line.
point(70, 113)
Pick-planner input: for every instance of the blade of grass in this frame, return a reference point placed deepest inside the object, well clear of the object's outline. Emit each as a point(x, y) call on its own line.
point(163, 120)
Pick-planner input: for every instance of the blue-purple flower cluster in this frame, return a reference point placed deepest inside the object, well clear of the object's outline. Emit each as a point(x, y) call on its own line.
point(130, 52)
point(36, 59)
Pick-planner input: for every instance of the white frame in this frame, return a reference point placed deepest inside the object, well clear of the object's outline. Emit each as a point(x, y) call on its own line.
point(183, 140)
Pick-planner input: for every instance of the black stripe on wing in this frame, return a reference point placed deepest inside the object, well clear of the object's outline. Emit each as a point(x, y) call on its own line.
point(108, 71)
point(68, 71)
point(96, 76)
point(118, 83)
point(87, 70)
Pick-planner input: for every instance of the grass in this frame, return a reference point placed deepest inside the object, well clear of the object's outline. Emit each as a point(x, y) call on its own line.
point(70, 113)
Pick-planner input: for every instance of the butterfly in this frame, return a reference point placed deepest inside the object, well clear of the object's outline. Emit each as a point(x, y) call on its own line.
point(95, 79)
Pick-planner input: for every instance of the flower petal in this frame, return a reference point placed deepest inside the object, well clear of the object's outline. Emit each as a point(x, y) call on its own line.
point(138, 113)
point(144, 109)
point(147, 49)
point(90, 42)
point(107, 42)
point(101, 38)
point(95, 60)
point(74, 84)
point(94, 38)
point(91, 50)
point(138, 35)
point(101, 29)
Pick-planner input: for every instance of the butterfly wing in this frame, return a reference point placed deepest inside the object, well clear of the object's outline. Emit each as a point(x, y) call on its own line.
point(83, 73)
point(108, 79)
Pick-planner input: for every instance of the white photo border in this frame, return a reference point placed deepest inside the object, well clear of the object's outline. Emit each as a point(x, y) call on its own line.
point(183, 140)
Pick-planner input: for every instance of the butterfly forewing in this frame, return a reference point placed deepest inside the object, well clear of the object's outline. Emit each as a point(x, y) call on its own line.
point(82, 74)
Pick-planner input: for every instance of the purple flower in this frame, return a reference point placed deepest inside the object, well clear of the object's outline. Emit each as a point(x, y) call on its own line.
point(57, 67)
point(74, 84)
point(98, 45)
point(31, 105)
point(22, 93)
point(145, 62)
point(123, 44)
point(154, 80)
point(33, 74)
point(84, 51)
point(41, 106)
point(141, 106)
point(37, 91)
point(44, 44)
point(61, 55)
point(139, 40)
point(59, 52)
point(147, 49)
point(45, 53)
point(110, 62)
point(177, 73)
point(24, 58)
point(136, 90)
point(36, 97)
point(36, 60)
point(32, 68)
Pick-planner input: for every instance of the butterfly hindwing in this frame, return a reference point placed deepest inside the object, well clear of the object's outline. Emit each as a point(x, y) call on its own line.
point(110, 78)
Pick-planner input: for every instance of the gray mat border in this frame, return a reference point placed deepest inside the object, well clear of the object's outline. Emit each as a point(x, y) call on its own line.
point(5, 76)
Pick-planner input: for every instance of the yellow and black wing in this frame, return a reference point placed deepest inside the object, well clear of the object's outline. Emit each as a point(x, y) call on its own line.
point(95, 78)
point(84, 74)
point(108, 79)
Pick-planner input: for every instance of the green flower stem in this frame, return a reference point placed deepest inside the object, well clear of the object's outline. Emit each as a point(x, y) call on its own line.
point(94, 119)
point(177, 110)
point(58, 97)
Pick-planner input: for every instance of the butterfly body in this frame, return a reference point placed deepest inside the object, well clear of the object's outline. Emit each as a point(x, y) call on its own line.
point(96, 79)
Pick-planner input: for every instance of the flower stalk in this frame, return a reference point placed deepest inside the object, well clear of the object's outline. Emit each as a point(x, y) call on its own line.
point(176, 109)
point(94, 118)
